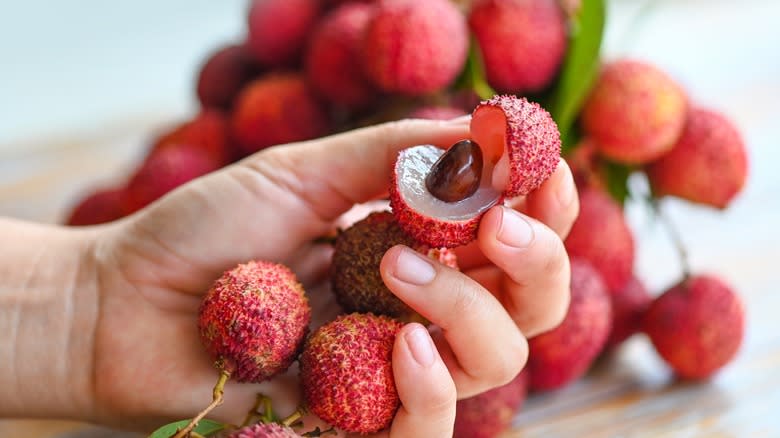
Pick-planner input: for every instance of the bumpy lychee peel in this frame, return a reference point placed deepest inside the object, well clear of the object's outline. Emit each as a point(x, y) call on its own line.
point(490, 413)
point(697, 326)
point(207, 132)
point(522, 42)
point(564, 354)
point(707, 165)
point(358, 251)
point(255, 318)
point(635, 112)
point(629, 305)
point(97, 208)
point(278, 29)
point(346, 372)
point(223, 75)
point(269, 430)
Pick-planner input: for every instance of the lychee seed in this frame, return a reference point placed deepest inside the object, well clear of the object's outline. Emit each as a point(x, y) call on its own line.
point(456, 174)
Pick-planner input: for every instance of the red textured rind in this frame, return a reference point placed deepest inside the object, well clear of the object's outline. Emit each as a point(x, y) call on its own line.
point(635, 112)
point(708, 164)
point(522, 42)
point(560, 356)
point(223, 75)
point(255, 317)
point(207, 132)
point(269, 430)
point(697, 326)
point(490, 413)
point(415, 47)
point(347, 375)
point(97, 208)
point(533, 142)
point(278, 29)
point(601, 236)
point(628, 309)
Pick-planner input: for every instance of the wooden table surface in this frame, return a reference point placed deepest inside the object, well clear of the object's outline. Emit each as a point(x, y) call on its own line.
point(726, 54)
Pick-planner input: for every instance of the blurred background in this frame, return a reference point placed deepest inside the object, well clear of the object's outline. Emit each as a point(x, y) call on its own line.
point(85, 86)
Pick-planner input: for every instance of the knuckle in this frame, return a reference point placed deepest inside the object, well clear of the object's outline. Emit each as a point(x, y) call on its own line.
point(465, 297)
point(556, 259)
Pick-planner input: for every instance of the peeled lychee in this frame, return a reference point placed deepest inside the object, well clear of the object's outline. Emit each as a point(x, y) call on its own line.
point(522, 42)
point(278, 29)
point(333, 65)
point(708, 164)
point(635, 113)
point(346, 372)
point(520, 145)
point(357, 254)
point(697, 326)
point(415, 47)
point(97, 208)
point(223, 75)
point(276, 109)
point(629, 305)
point(490, 413)
point(254, 319)
point(601, 236)
point(268, 430)
point(437, 113)
point(564, 354)
point(207, 132)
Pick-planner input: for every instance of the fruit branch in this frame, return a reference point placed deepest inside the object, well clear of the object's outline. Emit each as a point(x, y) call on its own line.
point(675, 237)
point(295, 417)
point(217, 397)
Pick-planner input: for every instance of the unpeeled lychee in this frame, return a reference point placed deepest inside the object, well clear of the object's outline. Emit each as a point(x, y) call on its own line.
point(346, 372)
point(333, 57)
point(269, 430)
point(358, 251)
point(490, 413)
point(564, 354)
point(629, 305)
point(415, 47)
point(254, 319)
point(223, 75)
point(601, 236)
point(635, 112)
point(276, 109)
point(278, 29)
point(522, 42)
point(708, 164)
point(520, 145)
point(207, 132)
point(97, 208)
point(697, 326)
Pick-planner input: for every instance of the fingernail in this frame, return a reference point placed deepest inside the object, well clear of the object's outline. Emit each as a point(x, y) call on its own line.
point(515, 230)
point(565, 191)
point(421, 346)
point(413, 268)
point(459, 120)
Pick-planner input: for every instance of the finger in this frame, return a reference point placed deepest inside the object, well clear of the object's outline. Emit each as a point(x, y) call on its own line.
point(473, 323)
point(555, 203)
point(535, 286)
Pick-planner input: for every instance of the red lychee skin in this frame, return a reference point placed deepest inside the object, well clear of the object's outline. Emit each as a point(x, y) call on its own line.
point(601, 236)
point(269, 430)
point(629, 305)
point(208, 132)
point(278, 29)
point(347, 375)
point(562, 355)
point(522, 42)
point(490, 413)
point(255, 318)
point(437, 113)
point(697, 326)
point(164, 171)
point(332, 59)
point(223, 75)
point(99, 207)
point(586, 165)
point(415, 47)
point(635, 112)
point(707, 165)
point(276, 109)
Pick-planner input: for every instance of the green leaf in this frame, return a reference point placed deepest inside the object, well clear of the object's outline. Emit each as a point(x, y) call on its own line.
point(616, 178)
point(473, 75)
point(205, 428)
point(580, 66)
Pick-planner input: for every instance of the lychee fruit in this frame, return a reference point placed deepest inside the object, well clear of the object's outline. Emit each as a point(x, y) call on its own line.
point(276, 109)
point(358, 251)
point(333, 66)
point(415, 47)
point(278, 29)
point(163, 171)
point(98, 208)
point(268, 430)
point(629, 305)
point(601, 236)
point(707, 165)
point(490, 413)
point(254, 319)
point(522, 42)
point(635, 112)
point(223, 75)
point(347, 375)
point(697, 326)
point(208, 132)
point(586, 165)
point(518, 146)
point(565, 353)
point(441, 112)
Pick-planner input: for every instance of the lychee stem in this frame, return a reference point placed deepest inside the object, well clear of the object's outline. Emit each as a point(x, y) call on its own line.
point(217, 397)
point(675, 237)
point(266, 416)
point(295, 416)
